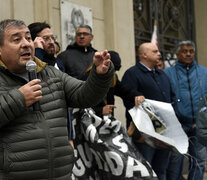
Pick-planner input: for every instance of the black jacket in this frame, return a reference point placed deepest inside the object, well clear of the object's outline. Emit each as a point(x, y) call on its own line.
point(77, 59)
point(49, 59)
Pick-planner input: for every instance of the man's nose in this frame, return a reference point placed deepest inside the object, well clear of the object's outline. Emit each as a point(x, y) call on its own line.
point(82, 36)
point(188, 53)
point(25, 42)
point(51, 40)
point(159, 54)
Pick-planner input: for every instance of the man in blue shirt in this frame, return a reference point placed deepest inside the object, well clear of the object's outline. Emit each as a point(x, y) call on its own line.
point(189, 82)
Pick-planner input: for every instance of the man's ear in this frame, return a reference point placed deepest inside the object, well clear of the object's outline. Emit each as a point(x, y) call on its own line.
point(144, 55)
point(91, 37)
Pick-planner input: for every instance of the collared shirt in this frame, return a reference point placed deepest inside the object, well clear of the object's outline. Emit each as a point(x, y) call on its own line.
point(147, 67)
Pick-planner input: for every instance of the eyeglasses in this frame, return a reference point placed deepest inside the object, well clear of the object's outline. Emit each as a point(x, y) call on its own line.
point(49, 38)
point(82, 33)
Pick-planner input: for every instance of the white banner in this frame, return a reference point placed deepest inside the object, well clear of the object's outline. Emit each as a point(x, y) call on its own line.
point(158, 125)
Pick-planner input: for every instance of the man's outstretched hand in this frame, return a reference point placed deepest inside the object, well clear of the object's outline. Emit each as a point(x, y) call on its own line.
point(102, 61)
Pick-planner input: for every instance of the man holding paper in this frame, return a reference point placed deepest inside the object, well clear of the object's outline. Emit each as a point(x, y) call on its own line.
point(154, 84)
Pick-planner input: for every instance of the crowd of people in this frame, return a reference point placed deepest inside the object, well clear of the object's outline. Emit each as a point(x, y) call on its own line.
point(35, 144)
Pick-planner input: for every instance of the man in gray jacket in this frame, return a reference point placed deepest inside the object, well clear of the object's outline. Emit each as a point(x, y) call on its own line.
point(34, 144)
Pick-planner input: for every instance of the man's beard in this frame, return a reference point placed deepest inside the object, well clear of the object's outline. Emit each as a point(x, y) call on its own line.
point(50, 52)
point(50, 55)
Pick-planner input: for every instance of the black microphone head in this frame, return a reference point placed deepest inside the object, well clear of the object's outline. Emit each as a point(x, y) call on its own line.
point(31, 66)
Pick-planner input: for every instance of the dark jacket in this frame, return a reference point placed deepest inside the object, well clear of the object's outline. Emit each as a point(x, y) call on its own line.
point(49, 59)
point(201, 124)
point(34, 144)
point(118, 89)
point(77, 59)
point(154, 85)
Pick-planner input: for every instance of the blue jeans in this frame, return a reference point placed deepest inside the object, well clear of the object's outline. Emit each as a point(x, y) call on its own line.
point(197, 161)
point(175, 166)
point(198, 154)
point(158, 158)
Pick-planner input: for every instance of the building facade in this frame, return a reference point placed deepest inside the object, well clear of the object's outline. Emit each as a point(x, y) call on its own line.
point(113, 26)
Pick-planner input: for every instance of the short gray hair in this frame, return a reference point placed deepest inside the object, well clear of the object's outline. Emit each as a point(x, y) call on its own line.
point(8, 23)
point(86, 26)
point(185, 43)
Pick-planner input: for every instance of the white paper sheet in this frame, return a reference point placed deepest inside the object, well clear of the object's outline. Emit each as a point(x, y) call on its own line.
point(172, 137)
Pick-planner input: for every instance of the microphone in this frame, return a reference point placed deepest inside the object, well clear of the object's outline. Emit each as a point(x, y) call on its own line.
point(31, 68)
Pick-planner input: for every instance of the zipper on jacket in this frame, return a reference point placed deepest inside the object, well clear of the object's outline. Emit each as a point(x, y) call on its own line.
point(189, 88)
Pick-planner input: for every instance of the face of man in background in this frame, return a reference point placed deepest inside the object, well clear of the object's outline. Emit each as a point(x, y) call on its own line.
point(49, 40)
point(152, 53)
point(160, 65)
point(149, 54)
point(186, 54)
point(83, 37)
point(18, 48)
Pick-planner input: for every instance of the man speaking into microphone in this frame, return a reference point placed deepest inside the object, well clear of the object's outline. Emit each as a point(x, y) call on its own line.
point(34, 144)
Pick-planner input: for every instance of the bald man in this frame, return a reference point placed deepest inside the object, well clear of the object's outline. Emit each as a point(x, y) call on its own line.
point(154, 84)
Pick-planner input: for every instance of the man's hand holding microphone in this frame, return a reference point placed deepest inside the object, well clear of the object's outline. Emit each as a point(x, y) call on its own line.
point(32, 90)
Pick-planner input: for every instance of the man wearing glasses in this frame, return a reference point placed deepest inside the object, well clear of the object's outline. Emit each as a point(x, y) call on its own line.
point(44, 42)
point(78, 56)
